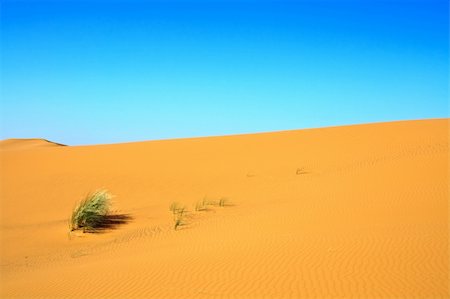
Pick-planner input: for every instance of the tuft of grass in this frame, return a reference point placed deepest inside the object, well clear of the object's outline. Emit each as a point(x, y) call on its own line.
point(179, 221)
point(223, 202)
point(202, 205)
point(199, 206)
point(91, 212)
point(179, 213)
point(177, 208)
point(300, 171)
point(205, 203)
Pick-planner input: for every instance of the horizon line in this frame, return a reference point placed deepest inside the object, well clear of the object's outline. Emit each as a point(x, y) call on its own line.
point(229, 135)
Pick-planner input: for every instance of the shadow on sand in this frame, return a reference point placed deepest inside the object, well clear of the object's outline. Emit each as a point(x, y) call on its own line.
point(109, 222)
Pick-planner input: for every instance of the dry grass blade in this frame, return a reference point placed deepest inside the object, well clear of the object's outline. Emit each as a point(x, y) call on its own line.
point(91, 212)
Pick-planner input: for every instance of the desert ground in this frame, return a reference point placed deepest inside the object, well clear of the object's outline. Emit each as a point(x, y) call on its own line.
point(357, 211)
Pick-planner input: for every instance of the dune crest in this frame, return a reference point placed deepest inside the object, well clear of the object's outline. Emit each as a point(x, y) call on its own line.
point(340, 212)
point(26, 143)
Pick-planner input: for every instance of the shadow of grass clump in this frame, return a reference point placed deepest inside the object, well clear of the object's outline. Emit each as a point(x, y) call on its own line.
point(92, 214)
point(110, 222)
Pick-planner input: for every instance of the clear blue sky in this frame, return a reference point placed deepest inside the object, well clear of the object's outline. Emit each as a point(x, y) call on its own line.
point(89, 72)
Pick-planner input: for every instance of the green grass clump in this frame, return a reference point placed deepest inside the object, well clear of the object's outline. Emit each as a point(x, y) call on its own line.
point(91, 212)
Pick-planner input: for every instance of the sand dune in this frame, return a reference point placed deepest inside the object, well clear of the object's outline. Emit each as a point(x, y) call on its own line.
point(20, 144)
point(341, 212)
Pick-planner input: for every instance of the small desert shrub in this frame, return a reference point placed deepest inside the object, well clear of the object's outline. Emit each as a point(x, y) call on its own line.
point(91, 212)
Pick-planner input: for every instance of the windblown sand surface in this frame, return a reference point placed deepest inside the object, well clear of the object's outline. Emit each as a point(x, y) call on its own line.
point(342, 212)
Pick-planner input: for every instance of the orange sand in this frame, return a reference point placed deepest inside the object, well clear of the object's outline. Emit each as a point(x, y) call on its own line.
point(367, 216)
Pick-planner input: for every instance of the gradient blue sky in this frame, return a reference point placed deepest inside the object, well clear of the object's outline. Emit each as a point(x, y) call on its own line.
point(89, 72)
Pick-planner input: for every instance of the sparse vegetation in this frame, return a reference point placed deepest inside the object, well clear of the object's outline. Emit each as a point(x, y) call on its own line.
point(223, 202)
point(300, 171)
point(179, 213)
point(177, 208)
point(179, 220)
point(202, 205)
point(91, 212)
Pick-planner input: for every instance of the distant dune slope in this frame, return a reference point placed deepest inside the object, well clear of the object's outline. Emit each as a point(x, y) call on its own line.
point(341, 212)
point(20, 144)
